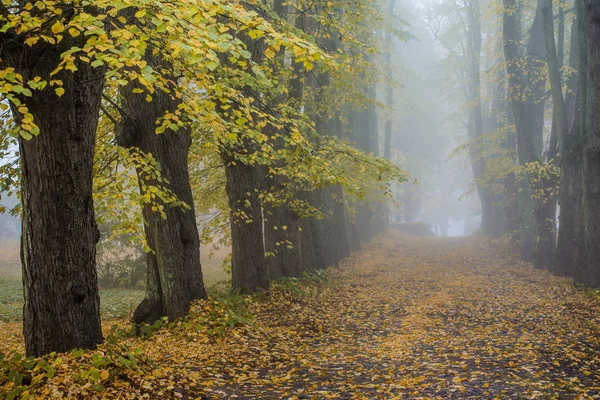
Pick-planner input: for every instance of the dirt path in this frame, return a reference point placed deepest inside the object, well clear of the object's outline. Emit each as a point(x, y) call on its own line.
point(407, 318)
point(422, 318)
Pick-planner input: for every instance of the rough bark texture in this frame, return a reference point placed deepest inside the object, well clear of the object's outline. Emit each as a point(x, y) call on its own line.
point(579, 253)
point(174, 271)
point(588, 261)
point(282, 243)
point(249, 270)
point(249, 267)
point(59, 233)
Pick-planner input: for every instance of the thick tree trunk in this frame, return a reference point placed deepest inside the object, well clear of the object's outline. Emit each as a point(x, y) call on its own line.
point(249, 270)
point(578, 253)
point(570, 190)
point(593, 42)
point(352, 235)
point(282, 242)
point(525, 140)
point(570, 163)
point(282, 224)
point(310, 258)
point(319, 233)
point(545, 211)
point(59, 233)
point(588, 261)
point(330, 238)
point(338, 222)
point(249, 267)
point(544, 208)
point(174, 271)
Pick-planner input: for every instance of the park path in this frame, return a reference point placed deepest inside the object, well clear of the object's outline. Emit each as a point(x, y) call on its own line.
point(413, 317)
point(406, 318)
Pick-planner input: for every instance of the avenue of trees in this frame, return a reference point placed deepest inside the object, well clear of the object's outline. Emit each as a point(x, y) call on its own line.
point(528, 72)
point(280, 128)
point(150, 115)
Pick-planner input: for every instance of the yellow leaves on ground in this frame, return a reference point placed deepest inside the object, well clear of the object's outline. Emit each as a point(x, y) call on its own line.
point(406, 318)
point(57, 27)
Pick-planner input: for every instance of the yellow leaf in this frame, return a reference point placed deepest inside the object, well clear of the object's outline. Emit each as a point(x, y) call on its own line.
point(58, 27)
point(270, 52)
point(59, 91)
point(74, 32)
point(104, 375)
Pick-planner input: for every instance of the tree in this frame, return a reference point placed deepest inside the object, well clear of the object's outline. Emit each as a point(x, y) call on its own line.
point(579, 222)
point(526, 148)
point(174, 277)
point(57, 125)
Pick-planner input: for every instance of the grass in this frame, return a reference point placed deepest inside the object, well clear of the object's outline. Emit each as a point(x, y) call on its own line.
point(114, 303)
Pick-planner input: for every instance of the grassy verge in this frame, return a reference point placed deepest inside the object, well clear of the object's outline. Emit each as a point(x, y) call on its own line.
point(114, 303)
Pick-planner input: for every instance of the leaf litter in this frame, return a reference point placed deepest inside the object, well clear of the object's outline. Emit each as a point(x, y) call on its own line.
point(406, 318)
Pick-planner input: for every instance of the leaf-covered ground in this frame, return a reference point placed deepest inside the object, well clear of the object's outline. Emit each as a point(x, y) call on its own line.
point(406, 318)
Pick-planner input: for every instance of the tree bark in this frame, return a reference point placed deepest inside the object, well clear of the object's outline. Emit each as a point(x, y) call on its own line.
point(174, 271)
point(588, 261)
point(249, 267)
point(545, 244)
point(249, 271)
point(526, 149)
point(59, 232)
point(570, 185)
point(282, 224)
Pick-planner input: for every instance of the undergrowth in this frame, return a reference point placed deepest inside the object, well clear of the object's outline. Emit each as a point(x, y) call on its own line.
point(121, 357)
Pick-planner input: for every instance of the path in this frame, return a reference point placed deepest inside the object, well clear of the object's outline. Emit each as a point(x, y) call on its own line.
point(407, 318)
point(420, 318)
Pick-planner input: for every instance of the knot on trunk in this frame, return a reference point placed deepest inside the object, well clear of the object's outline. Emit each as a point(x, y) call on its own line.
point(78, 290)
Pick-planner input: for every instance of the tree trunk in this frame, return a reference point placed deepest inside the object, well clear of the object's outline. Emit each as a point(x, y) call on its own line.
point(282, 224)
point(389, 91)
point(570, 184)
point(174, 272)
point(572, 81)
point(248, 266)
point(525, 140)
point(588, 262)
point(535, 79)
point(59, 232)
point(545, 211)
point(475, 126)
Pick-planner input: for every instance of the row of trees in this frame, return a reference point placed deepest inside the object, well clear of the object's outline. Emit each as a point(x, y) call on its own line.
point(530, 88)
point(150, 113)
